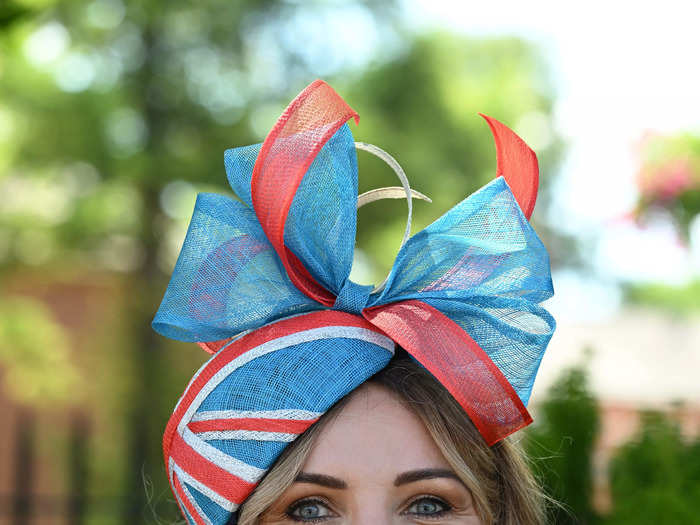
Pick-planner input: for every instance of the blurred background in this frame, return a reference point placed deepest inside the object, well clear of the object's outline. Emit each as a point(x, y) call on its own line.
point(114, 114)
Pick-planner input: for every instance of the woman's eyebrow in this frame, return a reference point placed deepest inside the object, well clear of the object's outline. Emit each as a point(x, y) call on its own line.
point(421, 474)
point(321, 479)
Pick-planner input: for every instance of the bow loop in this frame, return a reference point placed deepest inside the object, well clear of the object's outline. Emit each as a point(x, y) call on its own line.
point(320, 227)
point(483, 246)
point(227, 278)
point(292, 146)
point(479, 270)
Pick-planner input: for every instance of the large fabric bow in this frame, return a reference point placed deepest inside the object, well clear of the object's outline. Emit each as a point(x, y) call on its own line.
point(462, 296)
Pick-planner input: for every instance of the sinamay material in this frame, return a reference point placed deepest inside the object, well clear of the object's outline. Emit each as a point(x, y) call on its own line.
point(263, 285)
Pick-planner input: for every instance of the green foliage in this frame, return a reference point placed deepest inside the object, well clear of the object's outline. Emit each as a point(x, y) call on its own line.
point(655, 479)
point(562, 444)
point(676, 299)
point(34, 354)
point(11, 12)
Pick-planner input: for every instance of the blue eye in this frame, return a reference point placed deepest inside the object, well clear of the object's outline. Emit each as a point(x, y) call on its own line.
point(428, 507)
point(309, 510)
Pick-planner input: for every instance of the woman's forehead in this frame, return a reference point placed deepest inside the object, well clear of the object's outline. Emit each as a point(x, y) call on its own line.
point(373, 435)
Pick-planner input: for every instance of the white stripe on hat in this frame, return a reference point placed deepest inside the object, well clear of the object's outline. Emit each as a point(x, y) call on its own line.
point(196, 506)
point(285, 413)
point(204, 489)
point(247, 435)
point(222, 460)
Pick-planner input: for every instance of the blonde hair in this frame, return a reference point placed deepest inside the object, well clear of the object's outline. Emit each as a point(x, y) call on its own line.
point(503, 488)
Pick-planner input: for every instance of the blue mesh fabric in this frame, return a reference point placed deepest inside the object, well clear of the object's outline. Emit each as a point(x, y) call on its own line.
point(227, 278)
point(513, 333)
point(315, 375)
point(239, 163)
point(326, 199)
point(310, 376)
point(482, 246)
point(253, 452)
point(215, 513)
point(483, 266)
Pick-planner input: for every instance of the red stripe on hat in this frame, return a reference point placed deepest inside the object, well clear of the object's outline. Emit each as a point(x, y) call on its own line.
point(288, 426)
point(458, 362)
point(229, 486)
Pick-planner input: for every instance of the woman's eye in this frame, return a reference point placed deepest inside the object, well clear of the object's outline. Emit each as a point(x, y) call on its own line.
point(308, 510)
point(427, 506)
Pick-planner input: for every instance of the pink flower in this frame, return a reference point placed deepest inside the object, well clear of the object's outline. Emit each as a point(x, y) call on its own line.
point(667, 182)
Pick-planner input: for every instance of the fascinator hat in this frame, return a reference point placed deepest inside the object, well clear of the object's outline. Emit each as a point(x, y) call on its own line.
point(262, 284)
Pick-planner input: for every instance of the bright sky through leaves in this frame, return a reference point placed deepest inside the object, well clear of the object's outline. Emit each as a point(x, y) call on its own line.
point(621, 70)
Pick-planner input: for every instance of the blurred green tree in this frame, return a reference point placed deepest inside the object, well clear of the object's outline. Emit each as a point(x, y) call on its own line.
point(655, 478)
point(561, 444)
point(676, 299)
point(34, 353)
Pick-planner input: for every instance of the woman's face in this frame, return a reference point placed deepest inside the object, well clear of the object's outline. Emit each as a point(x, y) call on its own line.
point(374, 464)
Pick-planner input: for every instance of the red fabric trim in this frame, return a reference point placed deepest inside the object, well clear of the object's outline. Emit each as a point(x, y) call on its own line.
point(289, 149)
point(517, 163)
point(287, 426)
point(221, 481)
point(247, 342)
point(458, 362)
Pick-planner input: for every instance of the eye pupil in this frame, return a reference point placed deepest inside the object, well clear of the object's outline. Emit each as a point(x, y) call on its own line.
point(427, 507)
point(309, 511)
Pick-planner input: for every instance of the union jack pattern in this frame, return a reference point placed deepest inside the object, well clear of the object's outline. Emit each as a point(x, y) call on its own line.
point(232, 421)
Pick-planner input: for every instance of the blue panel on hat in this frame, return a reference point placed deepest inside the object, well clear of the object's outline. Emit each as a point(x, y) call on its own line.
point(256, 453)
point(213, 510)
point(309, 376)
